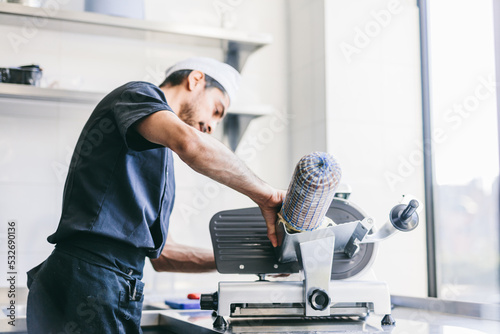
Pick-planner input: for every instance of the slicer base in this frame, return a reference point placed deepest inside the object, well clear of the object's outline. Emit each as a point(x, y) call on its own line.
point(286, 299)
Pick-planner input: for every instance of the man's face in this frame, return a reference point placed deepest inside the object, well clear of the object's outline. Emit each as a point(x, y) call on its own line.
point(204, 108)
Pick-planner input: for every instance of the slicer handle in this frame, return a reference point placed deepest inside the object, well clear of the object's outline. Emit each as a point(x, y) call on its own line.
point(209, 301)
point(404, 217)
point(410, 209)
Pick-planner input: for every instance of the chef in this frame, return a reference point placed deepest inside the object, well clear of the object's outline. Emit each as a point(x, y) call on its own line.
point(119, 194)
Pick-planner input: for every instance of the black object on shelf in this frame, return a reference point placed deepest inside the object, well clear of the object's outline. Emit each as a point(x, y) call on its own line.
point(24, 75)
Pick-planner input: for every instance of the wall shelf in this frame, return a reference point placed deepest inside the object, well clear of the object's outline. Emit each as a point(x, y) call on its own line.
point(235, 123)
point(27, 92)
point(236, 44)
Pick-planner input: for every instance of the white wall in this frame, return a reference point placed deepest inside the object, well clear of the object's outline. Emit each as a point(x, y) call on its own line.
point(308, 131)
point(371, 116)
point(37, 138)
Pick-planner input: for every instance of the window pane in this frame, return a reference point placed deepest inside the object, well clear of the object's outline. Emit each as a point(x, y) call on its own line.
point(465, 143)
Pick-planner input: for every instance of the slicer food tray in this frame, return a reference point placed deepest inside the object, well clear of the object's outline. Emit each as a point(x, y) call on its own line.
point(241, 245)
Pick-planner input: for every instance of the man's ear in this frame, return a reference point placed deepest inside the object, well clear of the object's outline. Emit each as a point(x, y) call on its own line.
point(194, 79)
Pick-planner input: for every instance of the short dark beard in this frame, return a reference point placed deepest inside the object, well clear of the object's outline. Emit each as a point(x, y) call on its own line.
point(186, 114)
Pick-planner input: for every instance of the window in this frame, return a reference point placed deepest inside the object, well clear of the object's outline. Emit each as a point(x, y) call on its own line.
point(465, 153)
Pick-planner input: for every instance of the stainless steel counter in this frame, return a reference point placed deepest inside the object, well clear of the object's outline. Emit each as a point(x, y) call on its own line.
point(408, 321)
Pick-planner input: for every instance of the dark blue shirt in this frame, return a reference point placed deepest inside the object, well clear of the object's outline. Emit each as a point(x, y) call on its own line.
point(120, 185)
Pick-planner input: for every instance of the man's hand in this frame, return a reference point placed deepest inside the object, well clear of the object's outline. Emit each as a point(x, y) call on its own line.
point(270, 211)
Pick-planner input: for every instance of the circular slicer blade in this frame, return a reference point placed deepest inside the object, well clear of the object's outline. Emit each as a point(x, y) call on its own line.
point(342, 211)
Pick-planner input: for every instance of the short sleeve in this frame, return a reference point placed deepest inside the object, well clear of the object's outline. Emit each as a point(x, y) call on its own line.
point(133, 103)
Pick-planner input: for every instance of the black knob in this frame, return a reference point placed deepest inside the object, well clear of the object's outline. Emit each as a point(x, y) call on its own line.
point(404, 217)
point(319, 299)
point(209, 301)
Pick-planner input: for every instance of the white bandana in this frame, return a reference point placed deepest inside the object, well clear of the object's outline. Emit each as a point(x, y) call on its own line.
point(226, 75)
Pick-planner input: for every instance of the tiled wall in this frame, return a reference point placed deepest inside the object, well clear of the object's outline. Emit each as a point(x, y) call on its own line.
point(37, 138)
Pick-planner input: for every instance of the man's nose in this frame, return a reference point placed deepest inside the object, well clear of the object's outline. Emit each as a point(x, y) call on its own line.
point(209, 127)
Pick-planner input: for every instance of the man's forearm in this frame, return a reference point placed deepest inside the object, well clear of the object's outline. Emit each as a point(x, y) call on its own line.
point(211, 158)
point(181, 258)
point(204, 154)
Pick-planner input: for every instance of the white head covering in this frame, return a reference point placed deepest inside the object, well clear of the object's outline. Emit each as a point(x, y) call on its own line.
point(226, 75)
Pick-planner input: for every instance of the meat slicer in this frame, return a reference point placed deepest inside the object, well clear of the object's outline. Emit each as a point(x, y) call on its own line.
point(323, 258)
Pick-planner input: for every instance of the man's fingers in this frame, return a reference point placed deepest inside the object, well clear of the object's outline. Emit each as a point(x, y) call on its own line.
point(271, 234)
point(270, 213)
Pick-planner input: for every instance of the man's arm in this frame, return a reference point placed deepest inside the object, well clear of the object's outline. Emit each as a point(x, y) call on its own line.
point(211, 158)
point(181, 258)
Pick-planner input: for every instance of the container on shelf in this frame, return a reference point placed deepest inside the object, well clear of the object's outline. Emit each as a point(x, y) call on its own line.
point(125, 8)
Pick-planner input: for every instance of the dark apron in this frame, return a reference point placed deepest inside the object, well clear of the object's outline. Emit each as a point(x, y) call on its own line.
point(87, 285)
